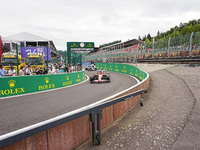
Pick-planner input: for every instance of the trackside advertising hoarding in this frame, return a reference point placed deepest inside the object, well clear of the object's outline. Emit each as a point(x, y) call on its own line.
point(122, 68)
point(80, 46)
point(11, 86)
point(43, 50)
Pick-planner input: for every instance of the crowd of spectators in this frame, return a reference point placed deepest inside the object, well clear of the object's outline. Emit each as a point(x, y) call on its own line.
point(27, 70)
point(3, 72)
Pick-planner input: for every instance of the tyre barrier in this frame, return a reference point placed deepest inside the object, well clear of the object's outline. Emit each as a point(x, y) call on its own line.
point(69, 133)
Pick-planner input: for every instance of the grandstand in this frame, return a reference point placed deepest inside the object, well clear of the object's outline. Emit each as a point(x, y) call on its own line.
point(126, 46)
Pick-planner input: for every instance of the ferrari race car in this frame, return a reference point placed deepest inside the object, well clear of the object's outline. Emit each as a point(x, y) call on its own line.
point(100, 76)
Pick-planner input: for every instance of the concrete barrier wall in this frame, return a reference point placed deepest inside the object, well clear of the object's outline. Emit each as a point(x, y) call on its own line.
point(71, 134)
point(10, 86)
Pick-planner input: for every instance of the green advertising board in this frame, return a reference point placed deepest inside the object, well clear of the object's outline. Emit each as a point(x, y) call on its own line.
point(78, 46)
point(11, 86)
point(123, 68)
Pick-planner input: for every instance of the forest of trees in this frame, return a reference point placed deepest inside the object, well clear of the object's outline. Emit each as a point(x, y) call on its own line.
point(182, 29)
point(111, 43)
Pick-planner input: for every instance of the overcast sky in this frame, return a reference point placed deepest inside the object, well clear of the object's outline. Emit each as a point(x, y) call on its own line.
point(99, 21)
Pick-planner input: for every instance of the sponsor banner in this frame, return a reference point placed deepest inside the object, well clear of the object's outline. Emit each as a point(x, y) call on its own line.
point(28, 84)
point(81, 46)
point(122, 68)
point(26, 50)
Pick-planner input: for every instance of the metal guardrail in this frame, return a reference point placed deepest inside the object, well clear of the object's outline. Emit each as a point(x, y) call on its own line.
point(15, 136)
point(177, 60)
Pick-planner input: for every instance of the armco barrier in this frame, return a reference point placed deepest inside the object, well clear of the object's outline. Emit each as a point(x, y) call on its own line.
point(10, 86)
point(71, 134)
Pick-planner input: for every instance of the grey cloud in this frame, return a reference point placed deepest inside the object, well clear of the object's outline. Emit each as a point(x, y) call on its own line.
point(100, 21)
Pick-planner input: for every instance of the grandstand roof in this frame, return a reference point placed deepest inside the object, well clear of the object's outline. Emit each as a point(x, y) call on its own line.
point(25, 36)
point(29, 38)
point(132, 42)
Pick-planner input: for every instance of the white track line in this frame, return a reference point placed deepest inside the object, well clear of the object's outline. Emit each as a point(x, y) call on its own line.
point(5, 136)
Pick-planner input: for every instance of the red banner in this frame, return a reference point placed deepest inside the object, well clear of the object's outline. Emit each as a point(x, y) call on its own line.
point(1, 48)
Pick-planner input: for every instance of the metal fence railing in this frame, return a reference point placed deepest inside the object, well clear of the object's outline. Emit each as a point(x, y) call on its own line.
point(44, 126)
point(184, 45)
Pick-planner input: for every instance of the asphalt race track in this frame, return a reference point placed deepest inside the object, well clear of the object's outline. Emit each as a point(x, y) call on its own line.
point(20, 112)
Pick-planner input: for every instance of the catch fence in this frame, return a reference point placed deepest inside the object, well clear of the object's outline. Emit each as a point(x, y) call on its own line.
point(180, 46)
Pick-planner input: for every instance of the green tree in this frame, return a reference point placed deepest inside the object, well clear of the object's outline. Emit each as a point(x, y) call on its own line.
point(139, 38)
point(111, 43)
point(196, 38)
point(149, 36)
point(192, 22)
point(180, 34)
point(181, 25)
point(147, 40)
point(144, 38)
point(158, 33)
point(187, 29)
point(196, 28)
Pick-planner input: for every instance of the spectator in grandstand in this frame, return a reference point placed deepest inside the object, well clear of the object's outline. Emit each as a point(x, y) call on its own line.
point(62, 69)
point(67, 68)
point(72, 68)
point(54, 67)
point(24, 69)
point(21, 71)
point(78, 67)
point(29, 71)
point(58, 71)
point(3, 72)
point(38, 70)
point(44, 69)
point(62, 66)
point(12, 71)
point(51, 71)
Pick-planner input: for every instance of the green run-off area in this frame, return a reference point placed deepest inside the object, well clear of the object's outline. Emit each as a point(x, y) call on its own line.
point(10, 86)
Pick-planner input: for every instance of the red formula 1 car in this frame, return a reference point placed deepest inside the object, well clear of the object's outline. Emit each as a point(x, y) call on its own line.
point(100, 76)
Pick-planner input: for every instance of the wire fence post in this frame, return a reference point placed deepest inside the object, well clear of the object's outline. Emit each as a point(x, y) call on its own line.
point(153, 48)
point(17, 59)
point(145, 48)
point(190, 52)
point(140, 50)
point(47, 59)
point(65, 61)
point(168, 47)
point(115, 53)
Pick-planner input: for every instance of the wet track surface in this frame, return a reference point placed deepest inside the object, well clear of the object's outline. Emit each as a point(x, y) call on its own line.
point(20, 112)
